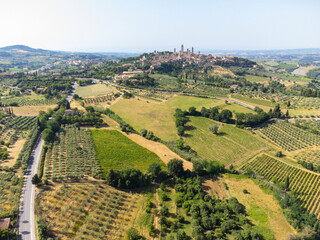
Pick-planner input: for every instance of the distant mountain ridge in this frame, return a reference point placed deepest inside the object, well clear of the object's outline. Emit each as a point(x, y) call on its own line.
point(22, 47)
point(7, 50)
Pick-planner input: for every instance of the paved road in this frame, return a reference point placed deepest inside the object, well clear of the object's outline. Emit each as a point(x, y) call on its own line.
point(26, 213)
point(74, 88)
point(235, 101)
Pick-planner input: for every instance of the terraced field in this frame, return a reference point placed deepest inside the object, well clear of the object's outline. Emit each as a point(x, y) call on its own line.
point(305, 184)
point(289, 137)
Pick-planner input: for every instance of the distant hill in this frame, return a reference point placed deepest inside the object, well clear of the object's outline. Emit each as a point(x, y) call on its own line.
point(22, 48)
point(6, 52)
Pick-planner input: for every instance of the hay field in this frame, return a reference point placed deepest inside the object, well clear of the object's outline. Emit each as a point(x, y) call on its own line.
point(93, 90)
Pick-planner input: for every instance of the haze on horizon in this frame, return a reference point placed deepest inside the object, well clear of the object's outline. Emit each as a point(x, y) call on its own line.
point(144, 26)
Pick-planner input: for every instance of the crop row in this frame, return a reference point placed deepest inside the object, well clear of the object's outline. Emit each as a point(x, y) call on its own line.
point(106, 98)
point(72, 155)
point(305, 184)
point(20, 101)
point(86, 211)
point(311, 156)
point(290, 137)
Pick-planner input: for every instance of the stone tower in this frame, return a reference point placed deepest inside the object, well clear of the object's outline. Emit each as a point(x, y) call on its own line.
point(192, 50)
point(181, 48)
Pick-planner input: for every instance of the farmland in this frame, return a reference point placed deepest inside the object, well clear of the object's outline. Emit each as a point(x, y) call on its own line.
point(31, 111)
point(305, 184)
point(86, 211)
point(10, 186)
point(15, 131)
point(230, 145)
point(309, 156)
point(158, 117)
point(71, 155)
point(289, 137)
point(29, 100)
point(261, 206)
point(94, 90)
point(101, 99)
point(252, 78)
point(116, 151)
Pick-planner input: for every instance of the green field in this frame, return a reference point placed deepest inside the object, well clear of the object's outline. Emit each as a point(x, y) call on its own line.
point(158, 117)
point(230, 145)
point(252, 78)
point(116, 151)
point(93, 90)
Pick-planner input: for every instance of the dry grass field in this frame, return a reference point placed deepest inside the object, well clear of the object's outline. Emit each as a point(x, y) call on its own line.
point(261, 207)
point(93, 90)
point(31, 110)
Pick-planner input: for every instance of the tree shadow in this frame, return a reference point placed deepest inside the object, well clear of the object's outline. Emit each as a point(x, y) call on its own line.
point(221, 134)
point(190, 128)
point(187, 135)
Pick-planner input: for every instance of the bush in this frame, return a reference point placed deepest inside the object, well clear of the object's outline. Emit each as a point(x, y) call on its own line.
point(132, 234)
point(35, 179)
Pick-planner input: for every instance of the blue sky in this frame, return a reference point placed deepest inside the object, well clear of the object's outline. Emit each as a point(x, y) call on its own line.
point(147, 25)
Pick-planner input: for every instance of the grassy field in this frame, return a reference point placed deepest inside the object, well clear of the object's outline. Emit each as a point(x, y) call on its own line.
point(93, 90)
point(31, 110)
point(116, 151)
point(252, 78)
point(158, 117)
point(261, 207)
point(231, 144)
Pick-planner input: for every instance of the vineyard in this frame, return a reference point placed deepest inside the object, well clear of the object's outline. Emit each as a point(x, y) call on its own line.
point(86, 211)
point(289, 137)
point(267, 99)
point(71, 155)
point(309, 156)
point(100, 99)
point(20, 101)
point(304, 184)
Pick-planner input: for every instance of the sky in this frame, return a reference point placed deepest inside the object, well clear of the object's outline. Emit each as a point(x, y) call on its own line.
point(147, 25)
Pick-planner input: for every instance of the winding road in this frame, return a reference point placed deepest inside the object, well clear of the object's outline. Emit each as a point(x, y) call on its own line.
point(26, 212)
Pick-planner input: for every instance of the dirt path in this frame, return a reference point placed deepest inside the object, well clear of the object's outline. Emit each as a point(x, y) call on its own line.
point(164, 153)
